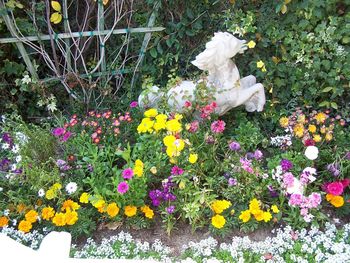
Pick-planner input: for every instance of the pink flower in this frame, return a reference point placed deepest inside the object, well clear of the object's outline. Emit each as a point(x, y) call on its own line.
point(133, 104)
point(314, 200)
point(66, 136)
point(295, 199)
point(246, 165)
point(123, 187)
point(188, 104)
point(218, 126)
point(176, 170)
point(335, 188)
point(194, 126)
point(304, 211)
point(345, 182)
point(288, 180)
point(58, 132)
point(128, 173)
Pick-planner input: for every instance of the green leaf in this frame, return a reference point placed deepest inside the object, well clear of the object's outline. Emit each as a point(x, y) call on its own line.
point(334, 105)
point(324, 103)
point(327, 89)
point(153, 53)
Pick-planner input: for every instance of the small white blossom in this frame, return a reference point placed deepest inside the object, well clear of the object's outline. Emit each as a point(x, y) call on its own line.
point(41, 192)
point(71, 188)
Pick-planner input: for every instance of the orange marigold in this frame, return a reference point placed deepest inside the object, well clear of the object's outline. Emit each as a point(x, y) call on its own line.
point(4, 221)
point(47, 213)
point(112, 209)
point(31, 216)
point(25, 226)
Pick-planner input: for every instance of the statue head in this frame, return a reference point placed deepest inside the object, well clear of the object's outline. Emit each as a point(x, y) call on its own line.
point(220, 48)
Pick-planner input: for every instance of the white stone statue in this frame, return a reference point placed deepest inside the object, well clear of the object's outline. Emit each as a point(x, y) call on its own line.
point(223, 75)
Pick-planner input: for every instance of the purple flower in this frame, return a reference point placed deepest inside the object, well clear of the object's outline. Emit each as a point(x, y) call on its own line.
point(155, 202)
point(6, 137)
point(90, 168)
point(5, 165)
point(133, 104)
point(128, 173)
point(333, 168)
point(258, 155)
point(232, 181)
point(234, 146)
point(347, 156)
point(170, 209)
point(60, 163)
point(123, 187)
point(272, 191)
point(58, 131)
point(286, 165)
point(66, 136)
point(177, 170)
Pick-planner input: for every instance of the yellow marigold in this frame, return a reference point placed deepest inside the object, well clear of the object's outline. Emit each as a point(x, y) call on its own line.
point(259, 215)
point(218, 221)
point(161, 117)
point(112, 209)
point(50, 194)
point(312, 128)
point(25, 226)
point(275, 209)
point(320, 117)
point(59, 219)
point(251, 44)
point(317, 138)
point(178, 116)
point(147, 211)
point(218, 206)
point(267, 216)
point(138, 170)
point(254, 206)
point(336, 200)
point(193, 158)
point(56, 186)
point(47, 213)
point(84, 198)
point(99, 203)
point(245, 216)
point(299, 130)
point(4, 221)
point(151, 113)
point(328, 137)
point(71, 217)
point(173, 125)
point(70, 205)
point(138, 162)
point(284, 122)
point(130, 210)
point(159, 125)
point(146, 125)
point(301, 118)
point(329, 197)
point(323, 130)
point(31, 216)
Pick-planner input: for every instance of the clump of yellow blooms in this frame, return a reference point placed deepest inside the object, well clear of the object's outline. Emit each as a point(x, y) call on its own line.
point(84, 198)
point(130, 210)
point(256, 211)
point(25, 226)
point(68, 216)
point(174, 145)
point(47, 213)
point(112, 209)
point(147, 211)
point(218, 221)
point(138, 168)
point(31, 216)
point(218, 206)
point(53, 191)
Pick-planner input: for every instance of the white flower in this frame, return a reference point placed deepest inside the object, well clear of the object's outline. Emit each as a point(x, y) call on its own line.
point(5, 146)
point(6, 212)
point(14, 222)
point(21, 137)
point(1, 189)
point(71, 187)
point(15, 148)
point(296, 188)
point(18, 158)
point(26, 79)
point(41, 192)
point(311, 152)
point(13, 167)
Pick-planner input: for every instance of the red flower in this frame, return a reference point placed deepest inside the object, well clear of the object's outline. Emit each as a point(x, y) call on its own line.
point(188, 104)
point(345, 182)
point(309, 142)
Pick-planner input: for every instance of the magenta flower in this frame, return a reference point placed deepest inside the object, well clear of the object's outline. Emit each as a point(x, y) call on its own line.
point(123, 187)
point(218, 126)
point(58, 132)
point(66, 136)
point(133, 104)
point(194, 126)
point(177, 170)
point(128, 173)
point(170, 209)
point(335, 188)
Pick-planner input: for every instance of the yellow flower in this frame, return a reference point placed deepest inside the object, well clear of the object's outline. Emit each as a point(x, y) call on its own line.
point(130, 210)
point(174, 146)
point(323, 129)
point(50, 194)
point(218, 206)
point(99, 204)
point(218, 221)
point(317, 138)
point(320, 117)
point(251, 44)
point(69, 205)
point(138, 171)
point(151, 113)
point(25, 226)
point(259, 215)
point(47, 213)
point(263, 69)
point(299, 130)
point(267, 216)
point(193, 158)
point(245, 216)
point(275, 209)
point(84, 198)
point(147, 211)
point(71, 217)
point(31, 216)
point(254, 206)
point(146, 125)
point(56, 186)
point(59, 219)
point(284, 121)
point(182, 185)
point(260, 64)
point(4, 221)
point(153, 170)
point(328, 136)
point(312, 128)
point(112, 209)
point(21, 208)
point(232, 212)
point(335, 200)
point(178, 116)
point(173, 125)
point(301, 118)
point(138, 162)
point(159, 125)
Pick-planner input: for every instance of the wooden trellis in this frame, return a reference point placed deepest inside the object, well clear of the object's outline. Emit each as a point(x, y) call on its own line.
point(68, 37)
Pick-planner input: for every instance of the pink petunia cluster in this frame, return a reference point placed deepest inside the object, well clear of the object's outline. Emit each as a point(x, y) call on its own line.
point(207, 110)
point(246, 165)
point(305, 203)
point(218, 126)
